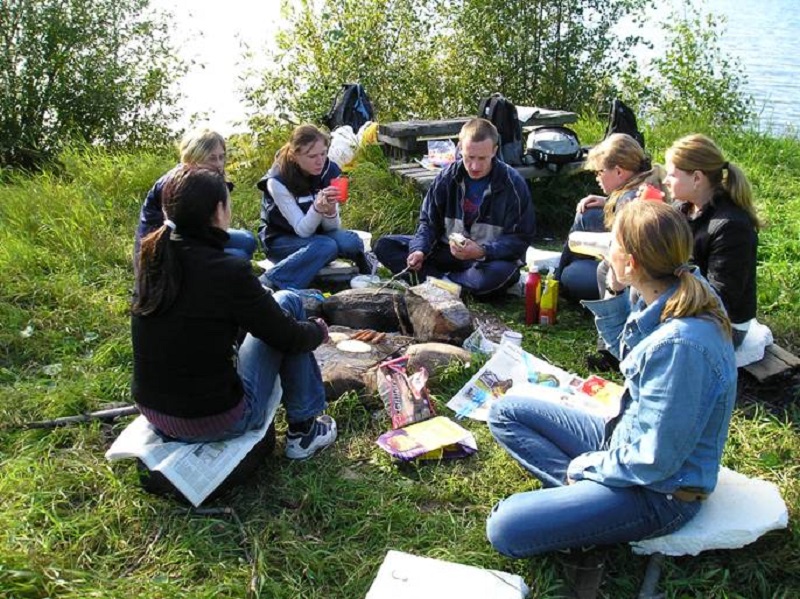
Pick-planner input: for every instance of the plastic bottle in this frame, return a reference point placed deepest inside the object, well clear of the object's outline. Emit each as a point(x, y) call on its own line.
point(597, 245)
point(532, 291)
point(548, 302)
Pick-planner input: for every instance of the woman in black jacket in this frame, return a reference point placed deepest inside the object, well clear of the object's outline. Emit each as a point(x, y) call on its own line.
point(191, 380)
point(717, 199)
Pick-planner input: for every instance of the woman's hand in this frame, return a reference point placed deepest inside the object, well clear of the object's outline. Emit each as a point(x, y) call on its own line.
point(326, 201)
point(613, 284)
point(591, 201)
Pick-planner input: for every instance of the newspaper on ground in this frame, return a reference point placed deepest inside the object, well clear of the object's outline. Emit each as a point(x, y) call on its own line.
point(434, 439)
point(511, 366)
point(195, 469)
point(406, 576)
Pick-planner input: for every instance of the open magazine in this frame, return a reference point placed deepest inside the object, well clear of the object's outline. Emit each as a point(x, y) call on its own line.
point(195, 469)
point(511, 366)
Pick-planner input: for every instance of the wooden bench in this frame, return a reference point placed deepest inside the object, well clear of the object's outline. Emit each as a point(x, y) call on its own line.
point(776, 361)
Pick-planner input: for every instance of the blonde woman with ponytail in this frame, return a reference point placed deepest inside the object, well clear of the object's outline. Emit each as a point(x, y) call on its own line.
point(715, 196)
point(622, 170)
point(646, 471)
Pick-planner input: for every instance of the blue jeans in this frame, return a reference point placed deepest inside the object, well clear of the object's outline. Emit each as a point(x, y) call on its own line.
point(475, 276)
point(576, 273)
point(242, 243)
point(299, 259)
point(544, 437)
point(259, 365)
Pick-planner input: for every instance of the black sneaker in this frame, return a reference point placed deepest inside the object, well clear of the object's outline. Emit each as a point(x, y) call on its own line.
point(602, 361)
point(300, 446)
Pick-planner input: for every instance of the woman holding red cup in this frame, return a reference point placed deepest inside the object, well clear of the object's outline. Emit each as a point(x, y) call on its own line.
point(301, 228)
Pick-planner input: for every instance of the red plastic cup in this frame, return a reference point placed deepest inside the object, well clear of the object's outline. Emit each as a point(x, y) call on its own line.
point(653, 193)
point(342, 184)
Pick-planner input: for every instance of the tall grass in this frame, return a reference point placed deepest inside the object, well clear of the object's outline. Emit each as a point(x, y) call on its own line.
point(71, 525)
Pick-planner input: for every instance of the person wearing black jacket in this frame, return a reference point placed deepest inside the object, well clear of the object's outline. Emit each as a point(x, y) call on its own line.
point(717, 199)
point(191, 380)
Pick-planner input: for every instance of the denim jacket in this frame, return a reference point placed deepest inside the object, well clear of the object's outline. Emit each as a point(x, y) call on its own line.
point(680, 387)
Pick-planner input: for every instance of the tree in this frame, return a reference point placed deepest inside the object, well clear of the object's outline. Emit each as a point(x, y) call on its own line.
point(554, 53)
point(97, 71)
point(386, 45)
point(436, 58)
point(694, 81)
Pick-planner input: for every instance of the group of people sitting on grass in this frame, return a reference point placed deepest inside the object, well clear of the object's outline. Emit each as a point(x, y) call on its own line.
point(673, 298)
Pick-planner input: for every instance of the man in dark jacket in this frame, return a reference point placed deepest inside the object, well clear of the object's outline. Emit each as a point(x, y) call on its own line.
point(476, 222)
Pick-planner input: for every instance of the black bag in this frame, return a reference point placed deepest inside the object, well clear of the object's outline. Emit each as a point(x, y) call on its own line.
point(503, 115)
point(553, 144)
point(351, 106)
point(622, 120)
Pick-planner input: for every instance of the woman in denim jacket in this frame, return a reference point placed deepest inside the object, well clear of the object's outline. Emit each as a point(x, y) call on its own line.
point(645, 472)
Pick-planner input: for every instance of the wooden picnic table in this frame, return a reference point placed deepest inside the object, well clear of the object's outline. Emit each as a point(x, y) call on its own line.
point(403, 140)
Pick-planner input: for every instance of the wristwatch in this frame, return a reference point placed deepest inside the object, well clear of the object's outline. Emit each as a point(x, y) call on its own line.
point(613, 292)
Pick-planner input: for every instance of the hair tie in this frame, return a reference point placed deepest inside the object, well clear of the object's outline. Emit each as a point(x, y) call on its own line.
point(681, 269)
point(725, 165)
point(646, 164)
point(169, 223)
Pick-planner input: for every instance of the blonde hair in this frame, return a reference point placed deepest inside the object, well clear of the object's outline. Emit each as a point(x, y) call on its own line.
point(620, 149)
point(479, 130)
point(660, 240)
point(699, 153)
point(198, 144)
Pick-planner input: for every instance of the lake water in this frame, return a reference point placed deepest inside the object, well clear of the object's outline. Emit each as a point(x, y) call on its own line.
point(762, 35)
point(765, 37)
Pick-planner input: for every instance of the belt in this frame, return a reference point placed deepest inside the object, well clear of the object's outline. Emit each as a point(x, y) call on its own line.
point(689, 495)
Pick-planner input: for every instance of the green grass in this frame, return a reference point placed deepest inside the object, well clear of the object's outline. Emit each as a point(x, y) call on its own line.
point(73, 525)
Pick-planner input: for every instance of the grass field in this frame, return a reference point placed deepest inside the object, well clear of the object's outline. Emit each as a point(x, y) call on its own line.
point(73, 525)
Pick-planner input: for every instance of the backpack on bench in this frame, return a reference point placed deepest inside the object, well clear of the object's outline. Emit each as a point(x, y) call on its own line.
point(351, 106)
point(553, 145)
point(622, 120)
point(503, 115)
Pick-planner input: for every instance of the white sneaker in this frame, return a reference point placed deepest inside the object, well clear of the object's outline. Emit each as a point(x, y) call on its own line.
point(300, 446)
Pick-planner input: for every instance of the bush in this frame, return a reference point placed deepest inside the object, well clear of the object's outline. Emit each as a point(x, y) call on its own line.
point(96, 71)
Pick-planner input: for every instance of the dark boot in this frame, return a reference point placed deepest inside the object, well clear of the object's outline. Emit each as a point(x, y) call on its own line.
point(583, 573)
point(602, 361)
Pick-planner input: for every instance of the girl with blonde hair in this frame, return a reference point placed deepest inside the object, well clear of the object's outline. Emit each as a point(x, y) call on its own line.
point(622, 169)
point(717, 200)
point(646, 471)
point(199, 147)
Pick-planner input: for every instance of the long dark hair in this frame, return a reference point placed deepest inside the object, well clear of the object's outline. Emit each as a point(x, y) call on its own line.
point(189, 200)
point(294, 178)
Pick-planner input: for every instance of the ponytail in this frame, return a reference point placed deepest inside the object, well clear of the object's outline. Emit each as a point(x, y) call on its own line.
point(740, 191)
point(158, 277)
point(694, 297)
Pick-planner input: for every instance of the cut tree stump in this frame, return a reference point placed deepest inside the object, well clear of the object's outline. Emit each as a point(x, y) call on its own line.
point(776, 361)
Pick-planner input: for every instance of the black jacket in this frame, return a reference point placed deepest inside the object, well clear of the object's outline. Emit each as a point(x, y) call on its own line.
point(185, 359)
point(725, 245)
